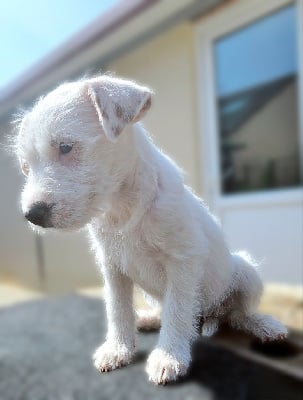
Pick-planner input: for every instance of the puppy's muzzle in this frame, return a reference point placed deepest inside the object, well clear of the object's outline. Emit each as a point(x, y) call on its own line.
point(40, 214)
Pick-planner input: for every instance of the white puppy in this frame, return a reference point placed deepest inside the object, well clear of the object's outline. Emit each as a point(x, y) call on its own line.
point(90, 163)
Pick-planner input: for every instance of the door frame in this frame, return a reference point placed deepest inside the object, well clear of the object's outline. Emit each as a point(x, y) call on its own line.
point(227, 19)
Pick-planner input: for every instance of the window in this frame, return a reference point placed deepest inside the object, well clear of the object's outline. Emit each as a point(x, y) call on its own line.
point(257, 102)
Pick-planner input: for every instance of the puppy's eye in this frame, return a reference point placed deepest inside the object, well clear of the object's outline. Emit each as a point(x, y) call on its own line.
point(65, 148)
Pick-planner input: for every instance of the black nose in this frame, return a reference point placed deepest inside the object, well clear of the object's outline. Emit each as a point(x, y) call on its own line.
point(39, 214)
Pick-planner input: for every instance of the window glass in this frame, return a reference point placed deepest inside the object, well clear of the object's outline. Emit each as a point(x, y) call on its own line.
point(257, 100)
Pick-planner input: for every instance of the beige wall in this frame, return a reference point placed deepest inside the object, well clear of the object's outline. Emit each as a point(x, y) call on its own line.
point(17, 244)
point(69, 263)
point(167, 65)
point(67, 260)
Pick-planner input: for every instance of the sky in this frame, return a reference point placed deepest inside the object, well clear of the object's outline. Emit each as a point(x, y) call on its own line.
point(30, 29)
point(263, 51)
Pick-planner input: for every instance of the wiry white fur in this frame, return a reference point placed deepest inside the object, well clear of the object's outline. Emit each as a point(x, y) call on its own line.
point(146, 226)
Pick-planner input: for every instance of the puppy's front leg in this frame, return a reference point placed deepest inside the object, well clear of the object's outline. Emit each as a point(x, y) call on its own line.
point(119, 346)
point(172, 356)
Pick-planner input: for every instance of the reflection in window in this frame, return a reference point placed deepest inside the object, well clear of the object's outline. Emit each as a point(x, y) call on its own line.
point(256, 77)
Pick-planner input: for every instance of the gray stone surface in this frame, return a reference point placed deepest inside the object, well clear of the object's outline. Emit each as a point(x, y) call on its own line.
point(46, 348)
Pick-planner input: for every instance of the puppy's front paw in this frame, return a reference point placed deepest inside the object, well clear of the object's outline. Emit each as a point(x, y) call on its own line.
point(163, 368)
point(110, 356)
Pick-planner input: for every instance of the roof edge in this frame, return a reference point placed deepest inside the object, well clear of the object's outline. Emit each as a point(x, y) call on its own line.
point(109, 21)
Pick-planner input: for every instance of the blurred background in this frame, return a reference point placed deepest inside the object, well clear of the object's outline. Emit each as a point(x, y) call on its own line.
point(228, 78)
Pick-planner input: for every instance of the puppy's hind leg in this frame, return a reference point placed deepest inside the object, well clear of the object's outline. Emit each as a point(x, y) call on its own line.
point(264, 327)
point(247, 289)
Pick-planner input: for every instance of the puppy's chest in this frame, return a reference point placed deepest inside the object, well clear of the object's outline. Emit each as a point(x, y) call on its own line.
point(119, 249)
point(131, 253)
point(138, 260)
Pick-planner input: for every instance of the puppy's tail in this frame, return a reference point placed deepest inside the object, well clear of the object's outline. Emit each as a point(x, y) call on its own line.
point(246, 280)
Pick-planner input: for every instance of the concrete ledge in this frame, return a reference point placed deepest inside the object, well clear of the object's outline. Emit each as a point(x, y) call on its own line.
point(46, 347)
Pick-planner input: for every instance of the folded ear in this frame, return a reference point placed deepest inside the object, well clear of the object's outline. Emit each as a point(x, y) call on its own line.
point(118, 103)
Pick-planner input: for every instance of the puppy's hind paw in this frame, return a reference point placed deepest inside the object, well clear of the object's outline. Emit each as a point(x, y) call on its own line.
point(267, 329)
point(110, 356)
point(210, 327)
point(273, 329)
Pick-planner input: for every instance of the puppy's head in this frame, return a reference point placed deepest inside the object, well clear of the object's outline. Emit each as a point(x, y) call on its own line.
point(68, 147)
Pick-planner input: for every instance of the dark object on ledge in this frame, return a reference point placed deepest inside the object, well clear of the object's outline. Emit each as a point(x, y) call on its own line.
point(46, 348)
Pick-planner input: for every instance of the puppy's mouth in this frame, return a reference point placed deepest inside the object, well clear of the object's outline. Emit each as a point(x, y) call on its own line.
point(39, 214)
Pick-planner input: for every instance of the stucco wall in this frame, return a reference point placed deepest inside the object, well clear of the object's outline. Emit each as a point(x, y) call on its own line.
point(64, 261)
point(167, 65)
point(17, 244)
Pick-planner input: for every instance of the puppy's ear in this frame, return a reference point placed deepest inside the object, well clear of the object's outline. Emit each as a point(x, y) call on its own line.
point(118, 103)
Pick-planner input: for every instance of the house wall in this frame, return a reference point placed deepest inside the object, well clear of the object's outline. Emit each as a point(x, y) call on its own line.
point(18, 259)
point(167, 65)
point(66, 261)
point(52, 262)
point(159, 63)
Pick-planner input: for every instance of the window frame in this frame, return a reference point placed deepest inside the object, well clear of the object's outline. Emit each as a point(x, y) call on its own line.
point(224, 21)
